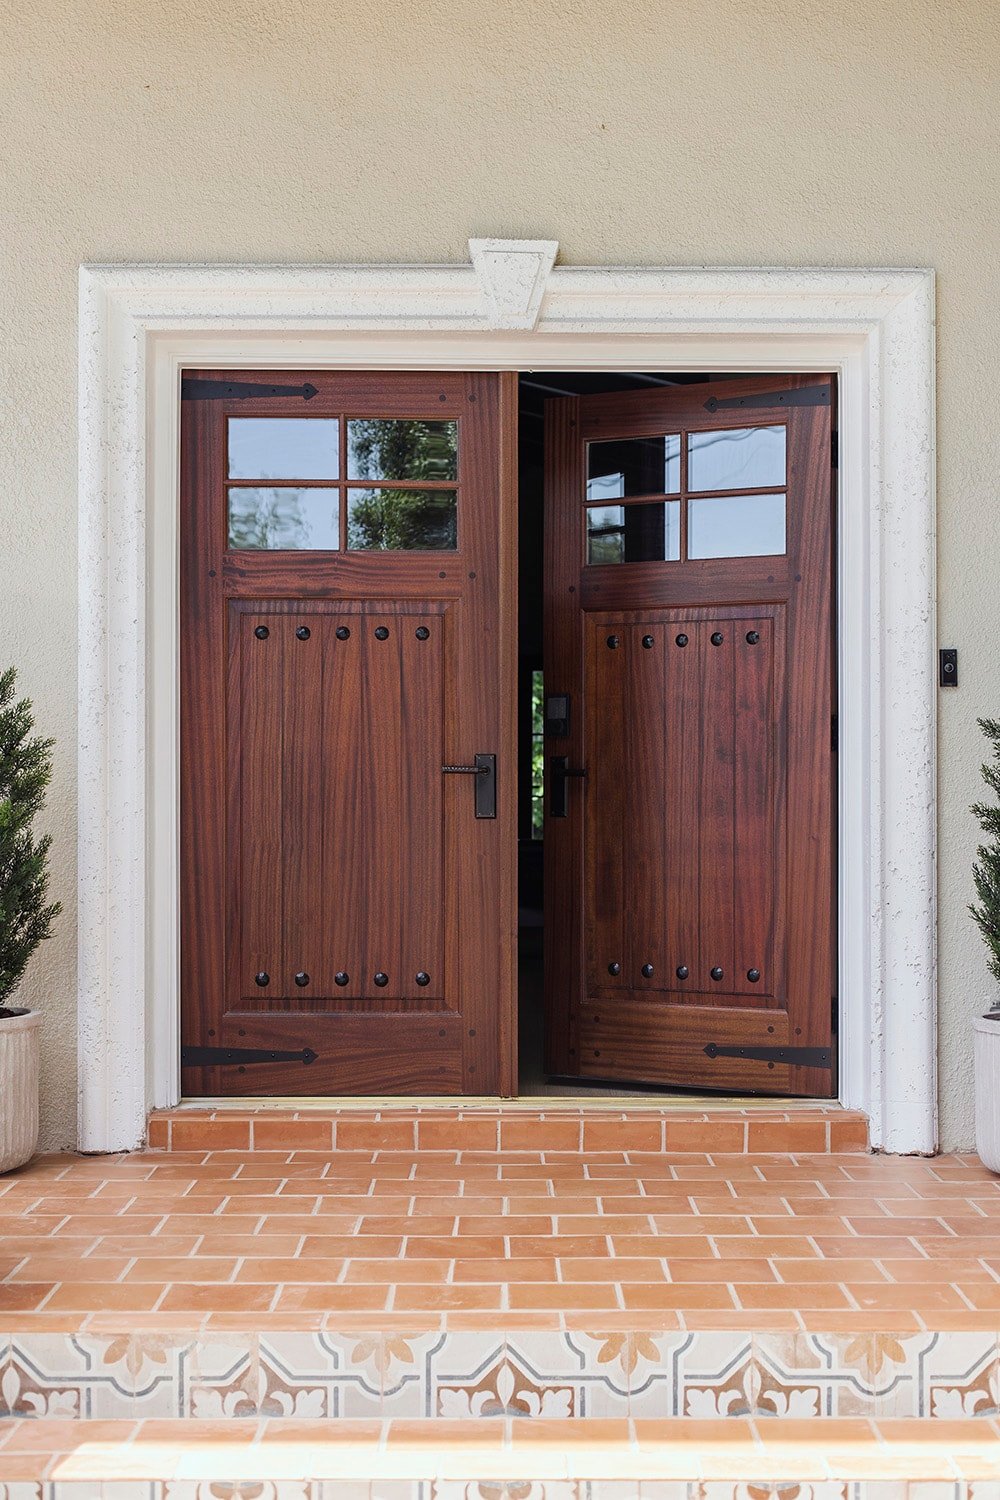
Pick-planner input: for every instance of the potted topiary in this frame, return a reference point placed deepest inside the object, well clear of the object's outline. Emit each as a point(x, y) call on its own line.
point(25, 917)
point(986, 874)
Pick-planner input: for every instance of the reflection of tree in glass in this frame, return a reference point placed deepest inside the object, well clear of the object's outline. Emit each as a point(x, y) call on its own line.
point(402, 521)
point(383, 449)
point(267, 519)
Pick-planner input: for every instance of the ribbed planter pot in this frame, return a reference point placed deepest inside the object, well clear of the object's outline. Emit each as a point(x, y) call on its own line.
point(987, 1049)
point(18, 1088)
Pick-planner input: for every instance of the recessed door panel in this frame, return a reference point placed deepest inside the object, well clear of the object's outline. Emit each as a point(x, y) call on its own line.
point(347, 916)
point(699, 841)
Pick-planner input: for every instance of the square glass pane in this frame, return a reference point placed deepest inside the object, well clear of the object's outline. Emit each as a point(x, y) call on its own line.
point(402, 520)
point(634, 466)
point(736, 458)
point(284, 448)
point(380, 448)
point(737, 526)
point(634, 533)
point(285, 519)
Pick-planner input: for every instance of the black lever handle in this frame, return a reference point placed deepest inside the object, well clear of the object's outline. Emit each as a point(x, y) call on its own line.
point(485, 772)
point(559, 772)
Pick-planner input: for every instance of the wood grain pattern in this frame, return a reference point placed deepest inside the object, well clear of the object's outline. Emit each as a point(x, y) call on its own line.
point(704, 836)
point(319, 836)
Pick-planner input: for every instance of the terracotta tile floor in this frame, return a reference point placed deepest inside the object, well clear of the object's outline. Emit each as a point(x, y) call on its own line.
point(481, 1238)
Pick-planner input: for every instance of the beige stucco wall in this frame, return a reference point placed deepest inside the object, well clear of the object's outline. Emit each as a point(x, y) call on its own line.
point(743, 133)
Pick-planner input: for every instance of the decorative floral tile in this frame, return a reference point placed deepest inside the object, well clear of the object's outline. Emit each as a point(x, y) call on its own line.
point(204, 1375)
point(319, 1375)
point(836, 1375)
point(823, 1489)
point(564, 1374)
point(65, 1376)
point(673, 1374)
point(20, 1489)
point(414, 1365)
point(510, 1489)
point(958, 1375)
point(262, 1489)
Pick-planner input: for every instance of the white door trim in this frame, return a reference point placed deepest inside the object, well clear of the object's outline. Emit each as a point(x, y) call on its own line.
point(511, 310)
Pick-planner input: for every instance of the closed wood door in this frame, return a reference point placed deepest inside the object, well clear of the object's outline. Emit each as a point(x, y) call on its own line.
point(689, 852)
point(347, 571)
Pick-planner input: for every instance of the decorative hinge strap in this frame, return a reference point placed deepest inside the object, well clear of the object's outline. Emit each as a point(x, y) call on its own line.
point(797, 1057)
point(194, 389)
point(799, 395)
point(217, 1057)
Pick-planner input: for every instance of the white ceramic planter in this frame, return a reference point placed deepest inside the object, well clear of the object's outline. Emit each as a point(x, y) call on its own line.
point(987, 1049)
point(18, 1089)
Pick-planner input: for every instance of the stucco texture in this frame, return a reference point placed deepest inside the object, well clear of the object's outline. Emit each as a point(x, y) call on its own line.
point(746, 133)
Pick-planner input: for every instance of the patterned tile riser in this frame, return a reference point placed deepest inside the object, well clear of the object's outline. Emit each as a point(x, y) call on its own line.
point(488, 1373)
point(457, 1489)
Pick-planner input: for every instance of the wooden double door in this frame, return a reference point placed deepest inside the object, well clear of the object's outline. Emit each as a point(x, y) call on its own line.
point(348, 681)
point(689, 841)
point(347, 885)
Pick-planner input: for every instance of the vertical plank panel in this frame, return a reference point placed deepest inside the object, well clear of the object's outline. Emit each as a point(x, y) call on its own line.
point(606, 806)
point(261, 808)
point(344, 894)
point(650, 796)
point(386, 803)
point(715, 834)
point(759, 747)
point(421, 832)
point(303, 802)
point(682, 791)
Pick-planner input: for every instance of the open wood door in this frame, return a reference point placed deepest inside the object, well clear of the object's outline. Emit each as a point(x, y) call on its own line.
point(689, 834)
point(347, 688)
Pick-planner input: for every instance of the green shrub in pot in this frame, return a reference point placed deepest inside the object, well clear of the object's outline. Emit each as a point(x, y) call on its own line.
point(26, 915)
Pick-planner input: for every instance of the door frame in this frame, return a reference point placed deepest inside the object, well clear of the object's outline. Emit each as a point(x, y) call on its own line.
point(507, 310)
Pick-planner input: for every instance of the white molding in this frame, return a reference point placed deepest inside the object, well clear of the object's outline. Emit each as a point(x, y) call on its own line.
point(140, 324)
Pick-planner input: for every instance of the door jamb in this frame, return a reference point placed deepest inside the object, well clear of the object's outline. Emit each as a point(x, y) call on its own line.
point(141, 324)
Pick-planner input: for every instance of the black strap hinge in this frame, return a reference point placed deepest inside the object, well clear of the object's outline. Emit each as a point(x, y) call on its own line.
point(194, 389)
point(799, 395)
point(796, 1057)
point(218, 1057)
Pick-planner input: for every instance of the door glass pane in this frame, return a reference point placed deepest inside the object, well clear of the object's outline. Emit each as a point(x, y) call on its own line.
point(284, 519)
point(379, 448)
point(634, 466)
point(738, 458)
point(284, 448)
point(634, 533)
point(387, 520)
point(737, 526)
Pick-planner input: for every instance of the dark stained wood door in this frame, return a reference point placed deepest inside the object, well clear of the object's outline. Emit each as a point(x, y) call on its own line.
point(347, 582)
point(690, 885)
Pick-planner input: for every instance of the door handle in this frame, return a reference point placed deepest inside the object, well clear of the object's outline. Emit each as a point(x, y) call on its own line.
point(559, 772)
point(485, 772)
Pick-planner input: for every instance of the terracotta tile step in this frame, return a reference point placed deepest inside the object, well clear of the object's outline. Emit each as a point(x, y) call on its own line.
point(879, 1461)
point(490, 1128)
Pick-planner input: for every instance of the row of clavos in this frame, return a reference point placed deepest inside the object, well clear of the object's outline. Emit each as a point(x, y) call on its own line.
point(682, 971)
point(342, 632)
point(381, 979)
point(717, 637)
